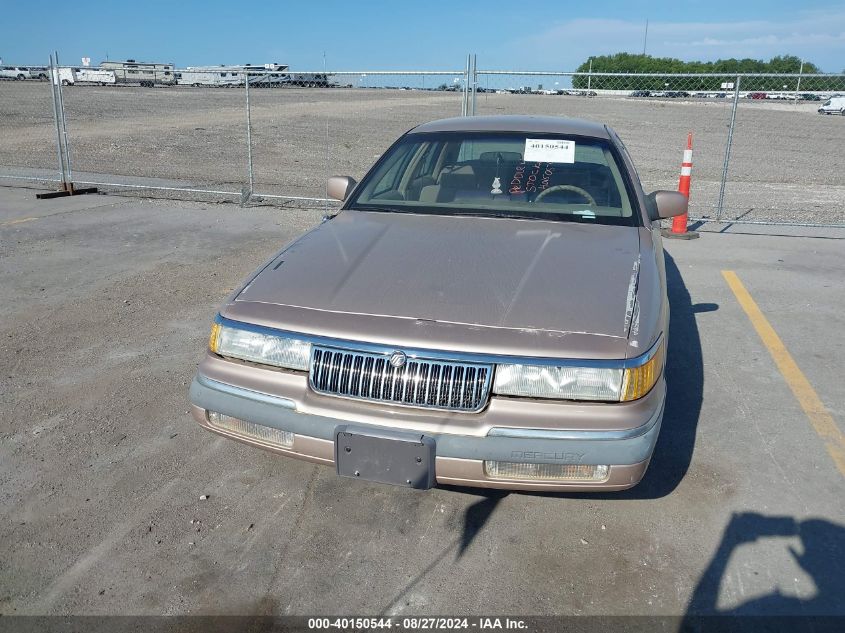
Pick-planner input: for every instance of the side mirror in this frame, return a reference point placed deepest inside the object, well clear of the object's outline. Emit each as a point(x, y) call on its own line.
point(339, 187)
point(666, 204)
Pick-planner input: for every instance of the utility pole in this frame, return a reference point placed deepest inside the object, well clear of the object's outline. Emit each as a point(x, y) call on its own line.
point(645, 37)
point(590, 74)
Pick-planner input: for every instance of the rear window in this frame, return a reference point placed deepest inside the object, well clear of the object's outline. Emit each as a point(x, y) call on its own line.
point(523, 175)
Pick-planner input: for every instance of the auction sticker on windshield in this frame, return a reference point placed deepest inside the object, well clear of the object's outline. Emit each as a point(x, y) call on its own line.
point(544, 150)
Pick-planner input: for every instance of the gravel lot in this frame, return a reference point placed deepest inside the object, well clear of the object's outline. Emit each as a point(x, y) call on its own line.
point(782, 166)
point(103, 472)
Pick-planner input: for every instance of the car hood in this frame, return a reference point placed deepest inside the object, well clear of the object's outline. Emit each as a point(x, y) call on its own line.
point(484, 272)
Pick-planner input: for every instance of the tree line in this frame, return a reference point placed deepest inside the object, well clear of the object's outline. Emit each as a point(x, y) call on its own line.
point(729, 68)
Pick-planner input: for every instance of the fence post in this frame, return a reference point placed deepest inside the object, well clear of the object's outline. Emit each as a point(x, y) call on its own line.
point(63, 123)
point(54, 80)
point(728, 150)
point(474, 82)
point(465, 91)
point(798, 86)
point(247, 193)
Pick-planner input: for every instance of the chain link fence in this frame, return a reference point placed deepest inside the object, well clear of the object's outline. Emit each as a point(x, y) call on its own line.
point(763, 153)
point(300, 136)
point(28, 144)
point(786, 156)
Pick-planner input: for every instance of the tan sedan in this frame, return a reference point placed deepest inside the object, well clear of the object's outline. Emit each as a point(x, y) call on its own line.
point(488, 308)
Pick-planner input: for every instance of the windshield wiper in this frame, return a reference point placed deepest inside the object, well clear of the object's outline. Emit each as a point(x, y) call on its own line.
point(467, 213)
point(365, 207)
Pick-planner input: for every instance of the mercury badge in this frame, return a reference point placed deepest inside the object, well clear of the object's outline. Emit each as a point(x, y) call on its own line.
point(397, 359)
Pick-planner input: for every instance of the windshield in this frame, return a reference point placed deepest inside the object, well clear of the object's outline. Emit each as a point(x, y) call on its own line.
point(530, 176)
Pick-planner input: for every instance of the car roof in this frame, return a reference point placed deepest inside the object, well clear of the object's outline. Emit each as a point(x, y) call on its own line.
point(516, 123)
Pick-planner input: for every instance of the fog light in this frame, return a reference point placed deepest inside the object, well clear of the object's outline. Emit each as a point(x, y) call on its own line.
point(540, 472)
point(250, 430)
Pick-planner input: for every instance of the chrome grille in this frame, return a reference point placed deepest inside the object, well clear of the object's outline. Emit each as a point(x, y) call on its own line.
point(419, 382)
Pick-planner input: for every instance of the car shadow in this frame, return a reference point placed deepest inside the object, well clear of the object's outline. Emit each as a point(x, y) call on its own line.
point(685, 391)
point(475, 518)
point(821, 556)
point(477, 515)
point(684, 395)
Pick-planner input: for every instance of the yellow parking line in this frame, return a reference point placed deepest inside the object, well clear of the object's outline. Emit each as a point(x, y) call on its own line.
point(18, 221)
point(821, 420)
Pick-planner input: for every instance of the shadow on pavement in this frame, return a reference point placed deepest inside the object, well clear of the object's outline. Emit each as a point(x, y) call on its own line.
point(477, 515)
point(685, 389)
point(821, 556)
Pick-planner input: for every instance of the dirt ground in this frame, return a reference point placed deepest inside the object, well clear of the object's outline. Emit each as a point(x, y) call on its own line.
point(783, 160)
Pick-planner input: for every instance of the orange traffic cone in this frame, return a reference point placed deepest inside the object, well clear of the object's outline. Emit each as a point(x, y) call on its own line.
point(679, 222)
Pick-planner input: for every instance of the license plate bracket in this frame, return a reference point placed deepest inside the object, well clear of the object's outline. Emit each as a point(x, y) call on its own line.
point(385, 456)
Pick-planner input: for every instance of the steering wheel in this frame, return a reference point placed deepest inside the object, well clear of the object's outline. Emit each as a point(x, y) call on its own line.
point(586, 195)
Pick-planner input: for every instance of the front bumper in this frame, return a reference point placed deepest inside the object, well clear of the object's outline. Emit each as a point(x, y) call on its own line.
point(459, 458)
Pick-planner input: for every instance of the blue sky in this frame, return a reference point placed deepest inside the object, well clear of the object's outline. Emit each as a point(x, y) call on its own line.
point(425, 34)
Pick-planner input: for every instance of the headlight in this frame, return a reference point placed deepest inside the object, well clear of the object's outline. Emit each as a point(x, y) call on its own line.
point(579, 383)
point(258, 347)
point(562, 383)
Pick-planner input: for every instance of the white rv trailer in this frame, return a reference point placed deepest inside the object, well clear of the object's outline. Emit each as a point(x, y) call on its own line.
point(210, 76)
point(64, 76)
point(270, 75)
point(72, 76)
point(146, 74)
point(99, 76)
point(234, 75)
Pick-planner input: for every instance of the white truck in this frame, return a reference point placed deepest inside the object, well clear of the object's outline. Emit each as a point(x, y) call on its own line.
point(14, 72)
point(834, 105)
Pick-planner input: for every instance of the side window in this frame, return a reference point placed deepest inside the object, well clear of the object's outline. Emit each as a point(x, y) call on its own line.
point(466, 153)
point(430, 159)
point(389, 180)
point(386, 180)
point(424, 167)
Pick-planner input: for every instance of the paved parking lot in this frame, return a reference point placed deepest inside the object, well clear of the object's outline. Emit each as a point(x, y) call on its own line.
point(107, 304)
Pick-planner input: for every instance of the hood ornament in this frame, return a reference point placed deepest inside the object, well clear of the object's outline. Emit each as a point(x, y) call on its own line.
point(398, 359)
